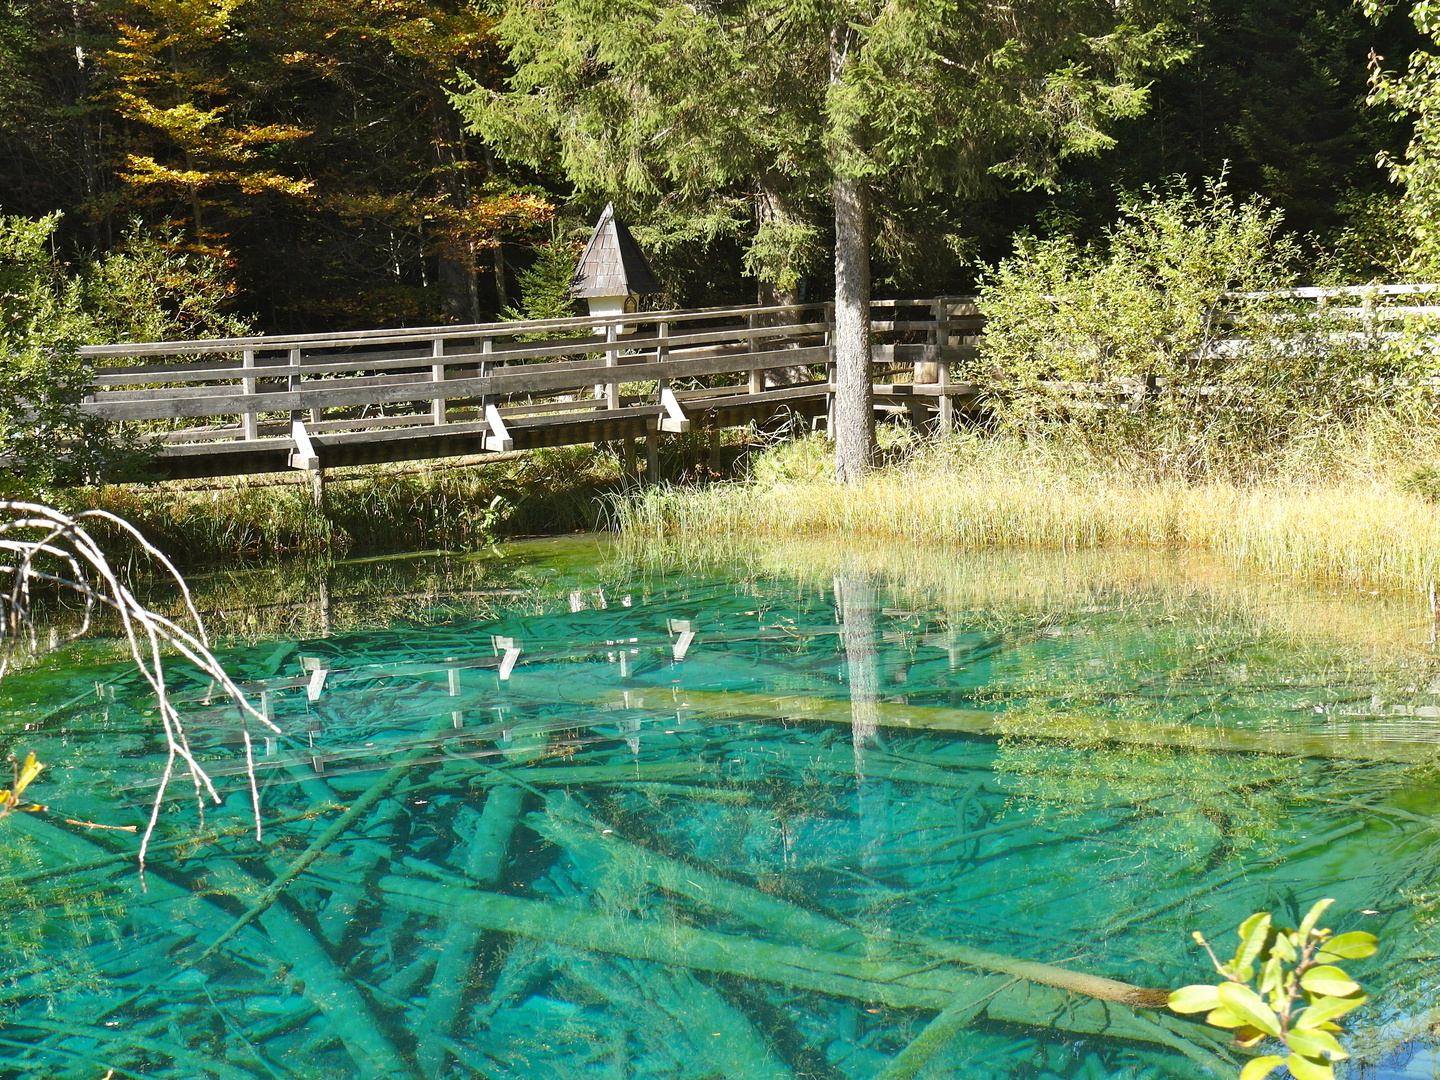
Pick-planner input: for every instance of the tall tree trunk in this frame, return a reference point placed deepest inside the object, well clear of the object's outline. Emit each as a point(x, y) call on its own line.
point(773, 208)
point(502, 292)
point(854, 391)
point(455, 262)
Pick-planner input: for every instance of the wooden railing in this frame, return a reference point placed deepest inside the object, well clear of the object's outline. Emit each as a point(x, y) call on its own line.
point(313, 400)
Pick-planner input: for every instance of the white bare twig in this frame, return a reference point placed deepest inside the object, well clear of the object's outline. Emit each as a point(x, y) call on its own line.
point(41, 544)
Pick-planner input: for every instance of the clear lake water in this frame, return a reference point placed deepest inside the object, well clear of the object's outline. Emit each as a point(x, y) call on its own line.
point(760, 815)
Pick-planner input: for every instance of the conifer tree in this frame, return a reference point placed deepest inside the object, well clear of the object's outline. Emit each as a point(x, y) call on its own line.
point(706, 107)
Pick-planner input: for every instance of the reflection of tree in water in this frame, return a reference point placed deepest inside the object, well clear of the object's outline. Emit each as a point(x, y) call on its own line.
point(864, 850)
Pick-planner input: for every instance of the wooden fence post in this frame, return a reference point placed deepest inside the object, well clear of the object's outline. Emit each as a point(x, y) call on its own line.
point(437, 374)
point(941, 337)
point(251, 421)
point(757, 375)
point(487, 346)
point(612, 359)
point(652, 438)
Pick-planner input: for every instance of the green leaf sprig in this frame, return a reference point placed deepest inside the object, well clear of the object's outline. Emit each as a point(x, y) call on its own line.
point(1297, 994)
point(13, 799)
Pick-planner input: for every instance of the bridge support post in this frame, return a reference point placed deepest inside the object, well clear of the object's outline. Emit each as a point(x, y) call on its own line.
point(317, 490)
point(942, 367)
point(918, 413)
point(652, 453)
point(629, 455)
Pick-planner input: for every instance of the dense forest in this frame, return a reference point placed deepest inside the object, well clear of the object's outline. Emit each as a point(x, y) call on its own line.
point(327, 159)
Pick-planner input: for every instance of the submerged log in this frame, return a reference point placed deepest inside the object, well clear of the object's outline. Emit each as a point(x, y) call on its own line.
point(484, 860)
point(289, 943)
point(791, 920)
point(942, 1028)
point(919, 985)
point(325, 985)
point(1070, 728)
point(377, 791)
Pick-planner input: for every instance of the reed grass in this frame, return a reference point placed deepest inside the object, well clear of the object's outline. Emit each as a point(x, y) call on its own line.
point(372, 509)
point(1327, 510)
point(376, 509)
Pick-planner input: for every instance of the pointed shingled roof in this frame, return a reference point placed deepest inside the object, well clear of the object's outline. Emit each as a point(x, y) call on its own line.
point(612, 264)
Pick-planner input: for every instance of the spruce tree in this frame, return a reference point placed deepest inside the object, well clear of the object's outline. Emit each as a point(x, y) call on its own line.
point(747, 108)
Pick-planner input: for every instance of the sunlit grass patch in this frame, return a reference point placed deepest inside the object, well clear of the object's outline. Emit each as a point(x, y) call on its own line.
point(1332, 512)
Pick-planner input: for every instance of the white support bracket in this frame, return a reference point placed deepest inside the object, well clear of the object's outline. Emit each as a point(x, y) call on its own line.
point(316, 686)
point(686, 629)
point(499, 438)
point(303, 456)
point(509, 653)
point(674, 418)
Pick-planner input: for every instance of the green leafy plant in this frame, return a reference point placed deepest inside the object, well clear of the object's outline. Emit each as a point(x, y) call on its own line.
point(14, 799)
point(1424, 482)
point(1283, 984)
point(1132, 344)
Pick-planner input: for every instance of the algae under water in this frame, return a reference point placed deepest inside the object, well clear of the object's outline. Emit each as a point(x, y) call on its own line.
point(799, 811)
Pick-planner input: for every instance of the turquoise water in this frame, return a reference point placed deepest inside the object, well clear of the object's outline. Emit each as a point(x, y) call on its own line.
point(736, 817)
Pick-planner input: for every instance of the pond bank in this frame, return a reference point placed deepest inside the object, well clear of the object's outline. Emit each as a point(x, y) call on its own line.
point(1342, 513)
point(1346, 521)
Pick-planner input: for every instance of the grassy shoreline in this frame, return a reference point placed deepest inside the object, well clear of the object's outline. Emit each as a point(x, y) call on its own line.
point(1338, 517)
point(370, 510)
point(1335, 513)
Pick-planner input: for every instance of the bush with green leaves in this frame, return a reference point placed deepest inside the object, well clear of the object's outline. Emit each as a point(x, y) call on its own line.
point(149, 288)
point(1161, 339)
point(1283, 985)
point(154, 286)
point(44, 438)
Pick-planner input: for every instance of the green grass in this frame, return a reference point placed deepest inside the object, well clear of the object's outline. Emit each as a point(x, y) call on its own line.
point(370, 510)
point(1330, 508)
point(402, 507)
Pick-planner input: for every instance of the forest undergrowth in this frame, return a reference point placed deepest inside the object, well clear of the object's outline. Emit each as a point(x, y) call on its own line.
point(408, 506)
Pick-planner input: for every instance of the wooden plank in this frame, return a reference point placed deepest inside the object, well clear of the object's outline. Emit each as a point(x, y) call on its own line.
point(765, 397)
point(455, 440)
point(561, 377)
point(417, 362)
point(427, 333)
point(909, 390)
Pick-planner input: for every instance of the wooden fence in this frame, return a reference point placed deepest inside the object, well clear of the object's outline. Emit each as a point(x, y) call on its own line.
point(313, 401)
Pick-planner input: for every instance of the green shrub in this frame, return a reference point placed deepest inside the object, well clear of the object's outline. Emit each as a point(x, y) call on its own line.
point(1140, 342)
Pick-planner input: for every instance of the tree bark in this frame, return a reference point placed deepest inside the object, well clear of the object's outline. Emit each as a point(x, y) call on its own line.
point(455, 255)
point(772, 206)
point(854, 392)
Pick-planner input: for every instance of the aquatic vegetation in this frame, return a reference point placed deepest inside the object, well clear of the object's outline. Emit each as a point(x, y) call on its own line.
point(582, 815)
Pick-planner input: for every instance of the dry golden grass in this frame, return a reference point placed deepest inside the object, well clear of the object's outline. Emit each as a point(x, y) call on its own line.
point(1331, 516)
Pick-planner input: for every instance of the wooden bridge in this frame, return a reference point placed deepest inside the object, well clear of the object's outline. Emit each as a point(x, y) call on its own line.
point(315, 401)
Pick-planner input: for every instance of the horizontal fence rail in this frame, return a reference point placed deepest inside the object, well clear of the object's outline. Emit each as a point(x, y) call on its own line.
point(311, 401)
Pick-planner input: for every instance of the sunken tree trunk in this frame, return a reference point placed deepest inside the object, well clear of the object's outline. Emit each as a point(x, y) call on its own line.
point(854, 392)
